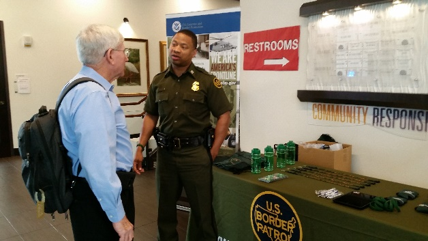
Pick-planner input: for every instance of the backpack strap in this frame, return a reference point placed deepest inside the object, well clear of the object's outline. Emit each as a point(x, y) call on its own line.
point(64, 93)
point(71, 86)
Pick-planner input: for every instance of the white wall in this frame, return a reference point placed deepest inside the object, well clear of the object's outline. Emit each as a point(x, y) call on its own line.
point(271, 112)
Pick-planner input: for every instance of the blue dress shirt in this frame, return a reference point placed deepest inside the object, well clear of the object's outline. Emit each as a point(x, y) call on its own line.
point(94, 131)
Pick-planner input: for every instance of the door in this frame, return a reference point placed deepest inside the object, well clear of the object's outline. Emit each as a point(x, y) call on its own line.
point(6, 142)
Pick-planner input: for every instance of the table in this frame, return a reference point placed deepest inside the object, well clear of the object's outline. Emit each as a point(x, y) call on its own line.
point(320, 218)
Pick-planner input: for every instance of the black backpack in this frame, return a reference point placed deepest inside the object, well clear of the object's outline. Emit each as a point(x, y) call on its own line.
point(46, 167)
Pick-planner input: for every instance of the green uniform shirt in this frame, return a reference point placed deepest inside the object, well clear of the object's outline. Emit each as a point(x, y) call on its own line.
point(184, 103)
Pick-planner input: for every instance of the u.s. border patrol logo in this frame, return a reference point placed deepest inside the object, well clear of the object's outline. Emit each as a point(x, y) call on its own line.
point(274, 218)
point(176, 26)
point(217, 83)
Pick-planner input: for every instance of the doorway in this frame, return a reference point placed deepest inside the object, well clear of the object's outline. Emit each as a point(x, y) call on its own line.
point(6, 142)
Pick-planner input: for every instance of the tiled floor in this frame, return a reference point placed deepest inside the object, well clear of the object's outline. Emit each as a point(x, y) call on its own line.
point(18, 221)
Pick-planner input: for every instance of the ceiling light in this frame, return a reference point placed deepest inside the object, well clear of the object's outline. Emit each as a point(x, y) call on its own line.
point(125, 29)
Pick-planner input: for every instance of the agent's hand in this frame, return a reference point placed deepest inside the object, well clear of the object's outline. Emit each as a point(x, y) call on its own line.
point(214, 153)
point(138, 163)
point(125, 229)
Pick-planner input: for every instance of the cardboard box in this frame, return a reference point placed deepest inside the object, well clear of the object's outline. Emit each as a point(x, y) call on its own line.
point(338, 160)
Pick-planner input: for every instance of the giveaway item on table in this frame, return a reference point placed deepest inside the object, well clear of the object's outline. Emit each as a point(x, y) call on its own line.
point(393, 203)
point(237, 163)
point(400, 201)
point(343, 179)
point(354, 199)
point(329, 193)
point(422, 208)
point(408, 194)
point(273, 177)
point(384, 204)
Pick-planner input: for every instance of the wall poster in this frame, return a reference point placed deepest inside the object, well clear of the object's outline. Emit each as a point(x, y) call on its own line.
point(218, 38)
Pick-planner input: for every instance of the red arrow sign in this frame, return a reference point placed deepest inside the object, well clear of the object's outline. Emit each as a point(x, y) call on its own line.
point(276, 49)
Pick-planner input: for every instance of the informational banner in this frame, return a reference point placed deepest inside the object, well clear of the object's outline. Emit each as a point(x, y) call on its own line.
point(218, 39)
point(275, 49)
point(409, 123)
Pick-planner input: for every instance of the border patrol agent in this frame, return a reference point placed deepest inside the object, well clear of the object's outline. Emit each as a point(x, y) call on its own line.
point(182, 98)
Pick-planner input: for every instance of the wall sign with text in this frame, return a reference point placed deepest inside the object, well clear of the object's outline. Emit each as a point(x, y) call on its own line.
point(275, 49)
point(409, 123)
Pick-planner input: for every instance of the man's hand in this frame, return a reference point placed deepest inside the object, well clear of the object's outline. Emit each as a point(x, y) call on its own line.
point(214, 153)
point(220, 134)
point(125, 229)
point(138, 162)
point(149, 124)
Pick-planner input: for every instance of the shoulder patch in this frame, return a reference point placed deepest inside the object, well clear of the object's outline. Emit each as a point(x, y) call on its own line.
point(217, 83)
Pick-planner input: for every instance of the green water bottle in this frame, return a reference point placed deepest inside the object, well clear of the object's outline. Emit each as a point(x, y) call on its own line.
point(255, 161)
point(268, 159)
point(291, 153)
point(280, 156)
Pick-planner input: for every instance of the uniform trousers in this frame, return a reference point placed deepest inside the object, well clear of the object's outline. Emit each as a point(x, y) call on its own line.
point(190, 168)
point(88, 219)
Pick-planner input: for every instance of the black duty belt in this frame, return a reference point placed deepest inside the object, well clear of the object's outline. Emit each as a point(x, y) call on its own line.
point(187, 142)
point(164, 141)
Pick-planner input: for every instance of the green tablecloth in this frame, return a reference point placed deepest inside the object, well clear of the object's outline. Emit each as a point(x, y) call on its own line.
point(321, 219)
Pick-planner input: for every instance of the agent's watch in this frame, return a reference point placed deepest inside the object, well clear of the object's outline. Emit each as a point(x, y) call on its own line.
point(140, 145)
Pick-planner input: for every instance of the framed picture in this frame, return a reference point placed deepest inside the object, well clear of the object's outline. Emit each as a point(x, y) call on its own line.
point(163, 55)
point(136, 80)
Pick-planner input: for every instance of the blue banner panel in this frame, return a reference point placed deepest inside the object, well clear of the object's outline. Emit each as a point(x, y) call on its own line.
point(201, 24)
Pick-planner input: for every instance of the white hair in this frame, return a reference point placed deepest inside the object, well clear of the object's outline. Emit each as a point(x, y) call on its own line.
point(93, 41)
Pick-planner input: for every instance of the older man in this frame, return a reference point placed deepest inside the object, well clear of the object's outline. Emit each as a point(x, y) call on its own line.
point(94, 132)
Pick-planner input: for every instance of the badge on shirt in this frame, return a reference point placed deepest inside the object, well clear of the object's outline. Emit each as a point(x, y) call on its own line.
point(195, 86)
point(217, 83)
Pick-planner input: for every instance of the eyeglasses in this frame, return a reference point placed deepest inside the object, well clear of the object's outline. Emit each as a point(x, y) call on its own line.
point(126, 51)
